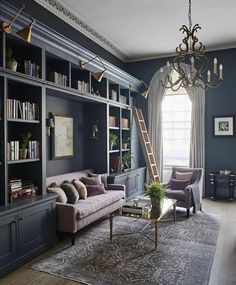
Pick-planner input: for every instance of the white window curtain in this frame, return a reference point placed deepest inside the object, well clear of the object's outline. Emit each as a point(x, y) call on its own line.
point(197, 97)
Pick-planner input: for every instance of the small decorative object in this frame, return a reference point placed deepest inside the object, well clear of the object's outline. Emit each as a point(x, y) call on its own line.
point(95, 131)
point(125, 143)
point(227, 172)
point(224, 126)
point(50, 124)
point(135, 201)
point(97, 93)
point(11, 63)
point(126, 161)
point(146, 212)
point(222, 172)
point(112, 140)
point(156, 192)
point(62, 142)
point(24, 143)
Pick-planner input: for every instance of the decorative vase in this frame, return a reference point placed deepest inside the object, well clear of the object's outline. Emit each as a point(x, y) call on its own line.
point(23, 153)
point(124, 145)
point(156, 208)
point(12, 65)
point(111, 146)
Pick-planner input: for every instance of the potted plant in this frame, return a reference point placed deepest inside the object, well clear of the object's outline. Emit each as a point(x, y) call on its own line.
point(125, 143)
point(112, 140)
point(11, 63)
point(126, 161)
point(24, 142)
point(156, 192)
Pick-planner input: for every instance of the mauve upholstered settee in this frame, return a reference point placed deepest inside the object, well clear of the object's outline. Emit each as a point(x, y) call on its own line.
point(73, 217)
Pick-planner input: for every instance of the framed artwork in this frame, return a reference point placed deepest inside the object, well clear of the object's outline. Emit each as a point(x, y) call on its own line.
point(224, 126)
point(62, 138)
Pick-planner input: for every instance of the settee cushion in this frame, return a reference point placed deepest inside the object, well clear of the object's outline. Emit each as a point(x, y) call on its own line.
point(91, 180)
point(92, 204)
point(176, 194)
point(183, 175)
point(94, 190)
point(71, 192)
point(81, 188)
point(61, 196)
point(178, 184)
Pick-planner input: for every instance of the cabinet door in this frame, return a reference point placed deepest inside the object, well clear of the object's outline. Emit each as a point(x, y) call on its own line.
point(8, 248)
point(132, 185)
point(141, 180)
point(37, 227)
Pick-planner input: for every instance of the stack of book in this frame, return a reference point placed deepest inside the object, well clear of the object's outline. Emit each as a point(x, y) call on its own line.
point(22, 110)
point(31, 68)
point(13, 150)
point(21, 189)
point(81, 86)
point(135, 208)
point(58, 78)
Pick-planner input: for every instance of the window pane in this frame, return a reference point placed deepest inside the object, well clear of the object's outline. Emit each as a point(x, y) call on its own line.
point(176, 118)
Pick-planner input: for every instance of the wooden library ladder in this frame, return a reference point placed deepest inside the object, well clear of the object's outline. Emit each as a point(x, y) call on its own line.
point(146, 145)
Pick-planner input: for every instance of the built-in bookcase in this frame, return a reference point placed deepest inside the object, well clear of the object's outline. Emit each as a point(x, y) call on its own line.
point(28, 56)
point(57, 70)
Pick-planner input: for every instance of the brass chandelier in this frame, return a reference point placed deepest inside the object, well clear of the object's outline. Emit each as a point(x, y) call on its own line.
point(191, 52)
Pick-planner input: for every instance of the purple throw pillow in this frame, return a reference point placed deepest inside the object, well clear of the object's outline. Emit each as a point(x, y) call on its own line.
point(178, 184)
point(95, 189)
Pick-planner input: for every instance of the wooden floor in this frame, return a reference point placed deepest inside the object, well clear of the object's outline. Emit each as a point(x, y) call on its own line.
point(223, 269)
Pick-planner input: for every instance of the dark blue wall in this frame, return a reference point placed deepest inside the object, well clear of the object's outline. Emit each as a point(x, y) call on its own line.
point(221, 101)
point(73, 109)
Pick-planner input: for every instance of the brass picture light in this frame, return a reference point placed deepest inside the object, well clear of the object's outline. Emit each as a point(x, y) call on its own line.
point(24, 33)
point(99, 74)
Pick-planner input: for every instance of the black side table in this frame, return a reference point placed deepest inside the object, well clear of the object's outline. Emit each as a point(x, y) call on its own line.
point(227, 182)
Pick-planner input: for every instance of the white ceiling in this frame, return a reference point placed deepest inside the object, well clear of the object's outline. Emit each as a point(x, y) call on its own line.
point(142, 29)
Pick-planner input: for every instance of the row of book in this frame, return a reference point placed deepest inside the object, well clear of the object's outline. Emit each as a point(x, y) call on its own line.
point(31, 68)
point(81, 86)
point(21, 189)
point(15, 153)
point(58, 78)
point(22, 110)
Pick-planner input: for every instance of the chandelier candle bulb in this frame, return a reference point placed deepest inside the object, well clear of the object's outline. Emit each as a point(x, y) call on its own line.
point(208, 76)
point(221, 71)
point(167, 63)
point(215, 66)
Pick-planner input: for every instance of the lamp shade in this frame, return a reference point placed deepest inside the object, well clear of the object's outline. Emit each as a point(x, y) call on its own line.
point(26, 33)
point(99, 75)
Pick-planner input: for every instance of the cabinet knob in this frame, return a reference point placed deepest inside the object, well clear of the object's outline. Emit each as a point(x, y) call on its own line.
point(14, 222)
point(21, 219)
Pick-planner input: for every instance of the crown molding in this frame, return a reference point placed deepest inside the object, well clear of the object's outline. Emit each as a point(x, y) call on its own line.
point(64, 13)
point(50, 40)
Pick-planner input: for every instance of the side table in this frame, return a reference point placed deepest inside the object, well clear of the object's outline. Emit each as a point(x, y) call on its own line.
point(225, 181)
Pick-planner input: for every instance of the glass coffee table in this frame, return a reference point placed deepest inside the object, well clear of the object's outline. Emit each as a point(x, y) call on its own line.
point(140, 208)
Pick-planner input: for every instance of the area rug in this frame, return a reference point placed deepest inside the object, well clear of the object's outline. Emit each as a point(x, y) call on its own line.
point(184, 255)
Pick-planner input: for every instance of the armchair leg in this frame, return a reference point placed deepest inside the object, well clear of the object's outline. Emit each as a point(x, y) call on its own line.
point(72, 238)
point(194, 210)
point(188, 213)
point(200, 207)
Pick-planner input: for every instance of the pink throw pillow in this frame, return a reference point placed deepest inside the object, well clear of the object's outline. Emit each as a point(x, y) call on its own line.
point(178, 184)
point(95, 189)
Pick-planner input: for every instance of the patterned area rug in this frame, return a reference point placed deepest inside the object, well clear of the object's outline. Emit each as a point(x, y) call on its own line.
point(184, 255)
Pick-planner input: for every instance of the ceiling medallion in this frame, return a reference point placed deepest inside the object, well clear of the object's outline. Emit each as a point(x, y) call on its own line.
point(191, 52)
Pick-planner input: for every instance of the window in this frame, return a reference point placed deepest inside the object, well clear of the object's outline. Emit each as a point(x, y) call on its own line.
point(176, 124)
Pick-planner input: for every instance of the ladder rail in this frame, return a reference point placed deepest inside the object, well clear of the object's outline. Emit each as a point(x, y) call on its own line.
point(146, 145)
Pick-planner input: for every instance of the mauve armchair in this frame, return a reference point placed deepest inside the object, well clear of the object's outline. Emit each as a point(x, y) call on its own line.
point(190, 196)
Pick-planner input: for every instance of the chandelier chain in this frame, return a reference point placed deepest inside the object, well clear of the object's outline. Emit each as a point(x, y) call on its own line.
point(189, 14)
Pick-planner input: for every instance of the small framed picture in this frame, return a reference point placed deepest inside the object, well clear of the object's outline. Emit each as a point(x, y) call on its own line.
point(224, 126)
point(62, 137)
